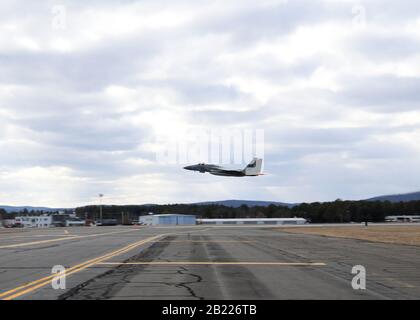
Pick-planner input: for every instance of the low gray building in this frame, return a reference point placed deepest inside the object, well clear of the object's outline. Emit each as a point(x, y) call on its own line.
point(259, 221)
point(167, 219)
point(403, 218)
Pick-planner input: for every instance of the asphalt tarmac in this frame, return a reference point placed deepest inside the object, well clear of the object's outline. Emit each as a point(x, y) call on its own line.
point(200, 263)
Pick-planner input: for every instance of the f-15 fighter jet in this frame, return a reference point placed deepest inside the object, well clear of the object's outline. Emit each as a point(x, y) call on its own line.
point(253, 169)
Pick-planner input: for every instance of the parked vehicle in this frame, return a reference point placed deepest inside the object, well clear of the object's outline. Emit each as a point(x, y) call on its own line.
point(107, 222)
point(75, 222)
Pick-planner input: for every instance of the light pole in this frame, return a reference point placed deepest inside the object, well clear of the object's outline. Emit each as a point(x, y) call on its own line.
point(100, 206)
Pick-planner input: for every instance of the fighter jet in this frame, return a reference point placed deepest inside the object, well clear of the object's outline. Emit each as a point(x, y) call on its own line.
point(252, 169)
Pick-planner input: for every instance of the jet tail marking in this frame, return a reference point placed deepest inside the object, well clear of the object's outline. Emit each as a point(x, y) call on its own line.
point(254, 167)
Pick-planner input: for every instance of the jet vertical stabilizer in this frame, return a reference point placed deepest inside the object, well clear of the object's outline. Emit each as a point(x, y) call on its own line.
point(254, 167)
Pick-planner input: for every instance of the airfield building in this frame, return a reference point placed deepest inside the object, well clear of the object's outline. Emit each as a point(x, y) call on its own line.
point(402, 218)
point(167, 219)
point(43, 221)
point(253, 221)
point(46, 221)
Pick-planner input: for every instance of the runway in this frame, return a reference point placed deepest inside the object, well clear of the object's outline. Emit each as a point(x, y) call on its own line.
point(201, 263)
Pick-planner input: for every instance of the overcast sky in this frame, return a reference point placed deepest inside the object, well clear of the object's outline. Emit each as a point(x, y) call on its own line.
point(86, 89)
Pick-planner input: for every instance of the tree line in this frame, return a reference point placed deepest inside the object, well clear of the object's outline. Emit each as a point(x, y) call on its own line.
point(325, 212)
point(317, 212)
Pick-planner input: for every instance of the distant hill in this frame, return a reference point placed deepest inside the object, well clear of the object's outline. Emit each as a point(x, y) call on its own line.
point(29, 208)
point(249, 203)
point(414, 196)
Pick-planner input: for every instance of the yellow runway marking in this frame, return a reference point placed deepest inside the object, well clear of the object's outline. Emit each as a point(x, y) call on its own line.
point(37, 242)
point(36, 236)
point(34, 285)
point(403, 284)
point(68, 237)
point(206, 241)
point(166, 263)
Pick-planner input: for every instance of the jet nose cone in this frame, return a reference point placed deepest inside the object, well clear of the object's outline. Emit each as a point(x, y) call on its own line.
point(188, 168)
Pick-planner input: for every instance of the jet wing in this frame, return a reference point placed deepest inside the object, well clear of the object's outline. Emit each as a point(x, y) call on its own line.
point(231, 173)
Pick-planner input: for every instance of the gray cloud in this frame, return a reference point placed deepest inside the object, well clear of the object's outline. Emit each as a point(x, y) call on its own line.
point(81, 108)
point(386, 93)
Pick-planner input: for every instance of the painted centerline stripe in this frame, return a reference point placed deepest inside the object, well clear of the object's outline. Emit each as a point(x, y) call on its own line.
point(165, 263)
point(68, 237)
point(206, 241)
point(34, 285)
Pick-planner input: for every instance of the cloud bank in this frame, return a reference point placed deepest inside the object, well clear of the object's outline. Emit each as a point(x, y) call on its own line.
point(86, 89)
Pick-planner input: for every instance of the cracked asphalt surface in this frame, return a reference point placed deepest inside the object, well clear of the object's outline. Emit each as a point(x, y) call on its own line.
point(234, 263)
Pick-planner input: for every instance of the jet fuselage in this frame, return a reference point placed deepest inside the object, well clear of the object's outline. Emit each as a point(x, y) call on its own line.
point(252, 169)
